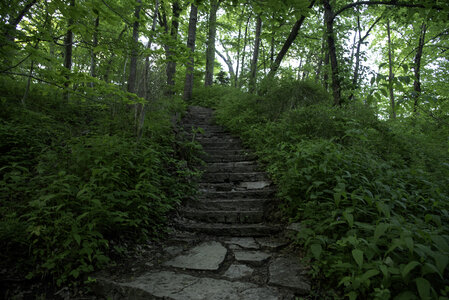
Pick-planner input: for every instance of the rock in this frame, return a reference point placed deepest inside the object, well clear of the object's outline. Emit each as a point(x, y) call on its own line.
point(169, 285)
point(271, 243)
point(173, 250)
point(255, 257)
point(294, 227)
point(238, 271)
point(289, 272)
point(255, 184)
point(206, 256)
point(247, 243)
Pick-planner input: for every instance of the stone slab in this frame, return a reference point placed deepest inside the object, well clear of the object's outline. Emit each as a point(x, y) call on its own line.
point(289, 272)
point(272, 243)
point(256, 185)
point(255, 257)
point(170, 285)
point(206, 256)
point(246, 243)
point(238, 271)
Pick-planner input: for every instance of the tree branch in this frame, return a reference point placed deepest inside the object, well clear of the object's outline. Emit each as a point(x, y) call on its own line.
point(391, 2)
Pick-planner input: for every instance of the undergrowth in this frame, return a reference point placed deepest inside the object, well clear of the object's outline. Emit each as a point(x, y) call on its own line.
point(74, 177)
point(371, 195)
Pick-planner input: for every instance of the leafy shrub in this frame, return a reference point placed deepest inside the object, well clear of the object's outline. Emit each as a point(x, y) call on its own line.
point(73, 179)
point(371, 195)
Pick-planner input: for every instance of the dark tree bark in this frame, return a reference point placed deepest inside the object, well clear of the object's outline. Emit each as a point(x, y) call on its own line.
point(252, 79)
point(227, 61)
point(93, 56)
point(391, 74)
point(238, 50)
point(288, 42)
point(417, 66)
point(336, 86)
point(210, 52)
point(171, 64)
point(188, 86)
point(68, 41)
point(147, 58)
point(132, 79)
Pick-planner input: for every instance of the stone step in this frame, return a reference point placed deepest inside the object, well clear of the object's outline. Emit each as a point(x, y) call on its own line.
point(205, 128)
point(239, 167)
point(210, 136)
point(227, 158)
point(222, 229)
point(228, 217)
point(219, 145)
point(241, 186)
point(229, 204)
point(227, 152)
point(237, 194)
point(233, 177)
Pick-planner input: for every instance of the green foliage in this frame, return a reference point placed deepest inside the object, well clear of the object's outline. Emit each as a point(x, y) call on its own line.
point(372, 196)
point(73, 179)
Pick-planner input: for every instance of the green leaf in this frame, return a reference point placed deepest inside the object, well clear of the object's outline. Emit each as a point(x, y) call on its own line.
point(441, 261)
point(358, 256)
point(384, 92)
point(408, 268)
point(409, 243)
point(368, 274)
point(316, 250)
point(349, 218)
point(380, 230)
point(77, 238)
point(423, 288)
point(352, 295)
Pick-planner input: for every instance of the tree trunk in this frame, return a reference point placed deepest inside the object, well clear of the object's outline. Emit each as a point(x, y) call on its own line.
point(355, 78)
point(329, 18)
point(132, 79)
point(320, 61)
point(210, 52)
point(109, 62)
point(171, 64)
point(238, 50)
point(288, 42)
point(417, 66)
point(191, 38)
point(391, 74)
point(27, 89)
point(68, 41)
point(252, 79)
point(93, 56)
point(147, 58)
point(245, 40)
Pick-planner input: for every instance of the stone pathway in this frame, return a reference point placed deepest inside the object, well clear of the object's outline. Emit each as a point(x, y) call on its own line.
point(227, 245)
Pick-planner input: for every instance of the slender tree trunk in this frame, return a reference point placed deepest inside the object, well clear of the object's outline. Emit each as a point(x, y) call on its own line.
point(171, 65)
point(228, 62)
point(417, 66)
point(320, 61)
point(132, 79)
point(288, 42)
point(68, 41)
point(188, 86)
point(245, 40)
point(326, 67)
point(329, 18)
point(27, 89)
point(252, 79)
point(355, 78)
point(210, 52)
point(142, 108)
point(391, 74)
point(239, 37)
point(93, 56)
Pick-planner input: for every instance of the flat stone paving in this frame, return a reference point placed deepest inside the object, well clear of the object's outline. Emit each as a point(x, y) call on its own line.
point(208, 266)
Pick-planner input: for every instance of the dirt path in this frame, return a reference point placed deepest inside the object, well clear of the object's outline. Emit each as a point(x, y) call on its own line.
point(227, 246)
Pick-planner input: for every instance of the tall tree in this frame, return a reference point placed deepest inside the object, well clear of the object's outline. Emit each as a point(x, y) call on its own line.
point(329, 19)
point(390, 72)
point(188, 86)
point(169, 49)
point(93, 59)
point(252, 80)
point(417, 66)
point(132, 79)
point(210, 52)
point(68, 46)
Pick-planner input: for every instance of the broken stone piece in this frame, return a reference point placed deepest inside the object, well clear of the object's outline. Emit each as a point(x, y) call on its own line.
point(206, 256)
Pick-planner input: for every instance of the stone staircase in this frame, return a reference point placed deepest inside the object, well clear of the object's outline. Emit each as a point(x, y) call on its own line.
point(226, 245)
point(235, 195)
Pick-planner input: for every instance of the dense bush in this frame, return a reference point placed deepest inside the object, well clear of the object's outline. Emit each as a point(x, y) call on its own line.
point(371, 195)
point(74, 177)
